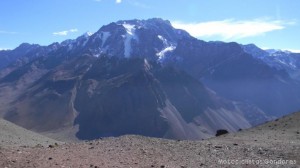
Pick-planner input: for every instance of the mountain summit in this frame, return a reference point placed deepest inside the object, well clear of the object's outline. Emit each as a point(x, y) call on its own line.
point(152, 38)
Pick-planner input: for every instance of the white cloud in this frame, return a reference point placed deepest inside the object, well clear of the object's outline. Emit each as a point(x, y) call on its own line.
point(61, 33)
point(293, 50)
point(65, 32)
point(232, 29)
point(285, 49)
point(4, 49)
point(7, 32)
point(138, 4)
point(73, 30)
point(118, 1)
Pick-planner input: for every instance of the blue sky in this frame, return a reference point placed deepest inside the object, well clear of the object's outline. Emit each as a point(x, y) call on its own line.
point(267, 23)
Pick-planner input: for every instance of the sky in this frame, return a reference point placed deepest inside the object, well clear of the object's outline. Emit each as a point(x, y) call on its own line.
point(266, 23)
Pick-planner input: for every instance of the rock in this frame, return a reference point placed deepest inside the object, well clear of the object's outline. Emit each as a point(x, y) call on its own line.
point(51, 146)
point(221, 132)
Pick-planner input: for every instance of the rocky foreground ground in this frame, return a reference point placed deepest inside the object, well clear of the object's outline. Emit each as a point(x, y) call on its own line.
point(274, 144)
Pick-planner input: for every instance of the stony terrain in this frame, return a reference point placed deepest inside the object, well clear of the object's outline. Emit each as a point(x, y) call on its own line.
point(276, 140)
point(13, 135)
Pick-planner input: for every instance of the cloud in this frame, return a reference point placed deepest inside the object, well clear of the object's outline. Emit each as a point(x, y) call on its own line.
point(7, 32)
point(284, 49)
point(73, 30)
point(1, 49)
point(232, 29)
point(138, 4)
point(116, 1)
point(135, 3)
point(65, 32)
point(292, 50)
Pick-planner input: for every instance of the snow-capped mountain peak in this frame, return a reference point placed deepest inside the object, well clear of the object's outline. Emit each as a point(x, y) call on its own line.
point(88, 34)
point(152, 39)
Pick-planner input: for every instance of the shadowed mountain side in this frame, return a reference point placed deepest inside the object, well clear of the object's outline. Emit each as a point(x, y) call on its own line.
point(117, 96)
point(120, 96)
point(236, 75)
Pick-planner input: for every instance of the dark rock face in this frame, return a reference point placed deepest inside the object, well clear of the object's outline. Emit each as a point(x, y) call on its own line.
point(121, 96)
point(116, 99)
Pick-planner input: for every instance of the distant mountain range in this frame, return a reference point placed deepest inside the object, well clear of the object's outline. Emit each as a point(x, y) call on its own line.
point(145, 77)
point(281, 60)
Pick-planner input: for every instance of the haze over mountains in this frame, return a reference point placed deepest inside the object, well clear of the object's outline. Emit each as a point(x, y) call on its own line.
point(145, 77)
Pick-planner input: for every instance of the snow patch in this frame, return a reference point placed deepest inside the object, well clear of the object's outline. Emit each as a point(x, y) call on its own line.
point(165, 41)
point(168, 47)
point(147, 65)
point(89, 34)
point(130, 35)
point(104, 37)
point(163, 52)
point(129, 28)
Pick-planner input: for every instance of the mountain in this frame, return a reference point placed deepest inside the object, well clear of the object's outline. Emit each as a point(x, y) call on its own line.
point(236, 75)
point(116, 96)
point(143, 77)
point(281, 60)
point(9, 56)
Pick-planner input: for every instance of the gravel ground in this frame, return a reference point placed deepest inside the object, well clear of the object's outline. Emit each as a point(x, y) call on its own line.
point(269, 143)
point(12, 135)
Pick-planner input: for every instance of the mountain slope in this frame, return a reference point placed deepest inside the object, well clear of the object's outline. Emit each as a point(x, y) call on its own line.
point(12, 135)
point(282, 60)
point(112, 97)
point(236, 75)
